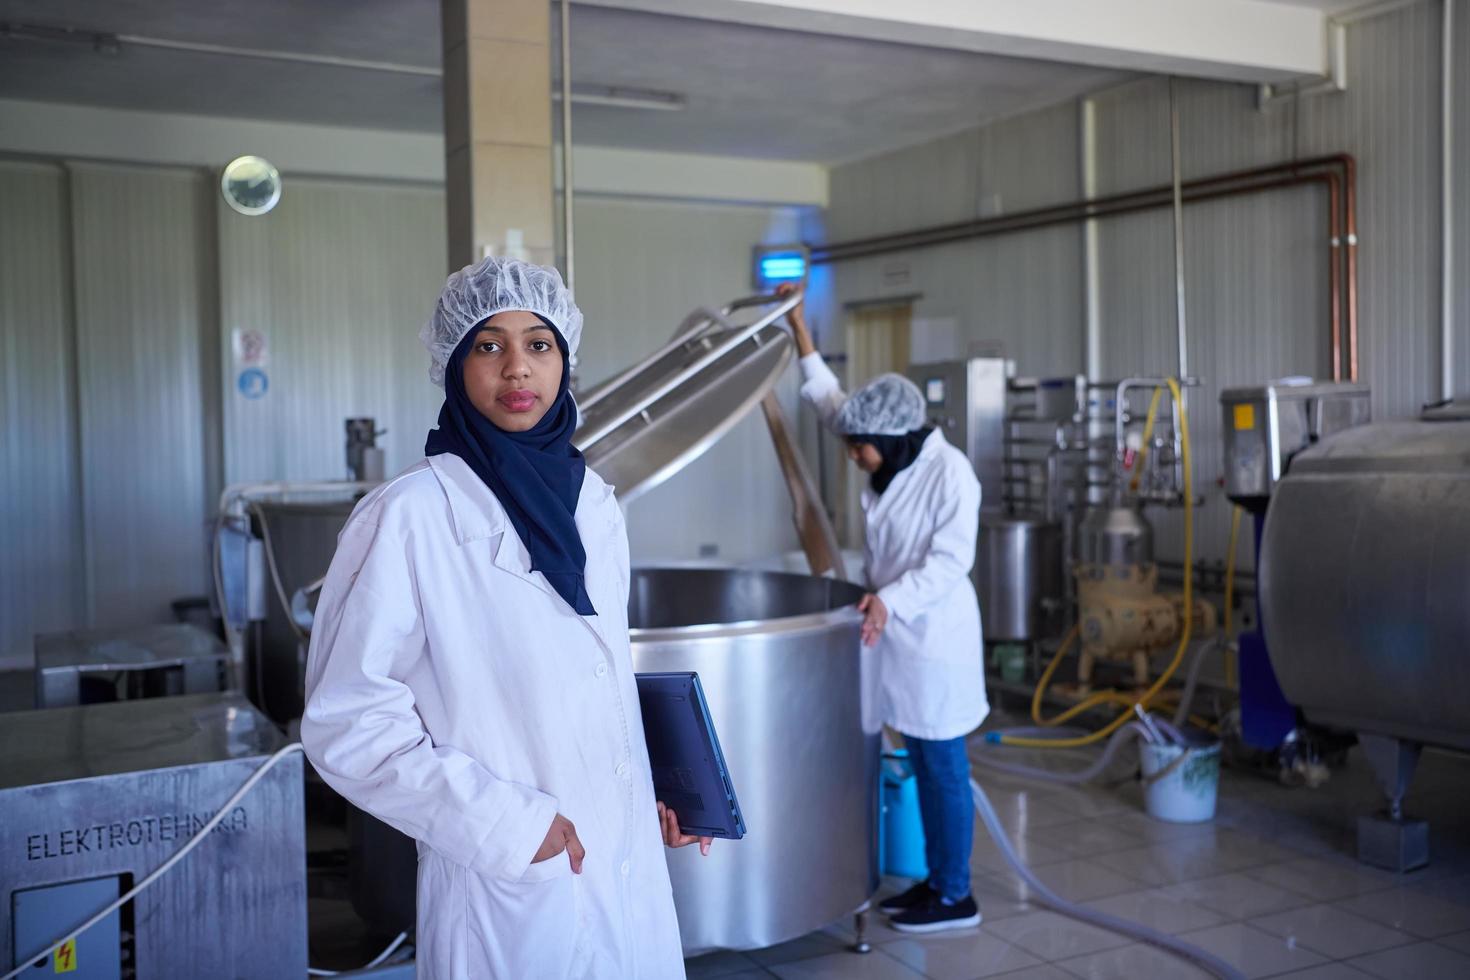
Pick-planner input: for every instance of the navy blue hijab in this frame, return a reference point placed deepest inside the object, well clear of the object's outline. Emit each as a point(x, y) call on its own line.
point(536, 475)
point(898, 452)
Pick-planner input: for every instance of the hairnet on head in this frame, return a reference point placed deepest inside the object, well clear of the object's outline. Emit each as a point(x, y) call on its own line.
point(889, 405)
point(493, 285)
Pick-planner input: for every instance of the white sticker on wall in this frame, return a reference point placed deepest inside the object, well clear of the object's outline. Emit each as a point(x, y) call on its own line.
point(251, 348)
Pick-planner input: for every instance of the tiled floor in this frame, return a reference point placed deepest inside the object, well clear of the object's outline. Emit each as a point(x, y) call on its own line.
point(1270, 885)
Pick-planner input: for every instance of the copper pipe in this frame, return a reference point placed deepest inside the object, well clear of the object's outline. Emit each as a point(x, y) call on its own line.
point(1337, 171)
point(1334, 271)
point(1350, 180)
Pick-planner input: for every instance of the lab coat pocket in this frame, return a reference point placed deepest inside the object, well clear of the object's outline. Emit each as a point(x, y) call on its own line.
point(556, 866)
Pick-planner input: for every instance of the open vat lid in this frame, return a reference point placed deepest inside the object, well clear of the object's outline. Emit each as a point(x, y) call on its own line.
point(650, 421)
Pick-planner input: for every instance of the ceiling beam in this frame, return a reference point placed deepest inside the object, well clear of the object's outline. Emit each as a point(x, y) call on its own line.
point(1231, 40)
point(56, 131)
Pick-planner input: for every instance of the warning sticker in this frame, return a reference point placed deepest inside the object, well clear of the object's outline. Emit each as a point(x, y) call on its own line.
point(1245, 417)
point(65, 958)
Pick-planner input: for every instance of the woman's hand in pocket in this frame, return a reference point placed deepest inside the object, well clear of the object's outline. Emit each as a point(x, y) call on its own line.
point(562, 837)
point(674, 837)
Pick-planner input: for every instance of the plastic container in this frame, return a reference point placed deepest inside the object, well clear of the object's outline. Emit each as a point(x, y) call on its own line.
point(1010, 660)
point(902, 827)
point(1186, 792)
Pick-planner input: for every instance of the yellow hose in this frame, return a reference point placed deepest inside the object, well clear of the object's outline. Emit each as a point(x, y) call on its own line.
point(1148, 435)
point(1051, 668)
point(1158, 685)
point(1230, 596)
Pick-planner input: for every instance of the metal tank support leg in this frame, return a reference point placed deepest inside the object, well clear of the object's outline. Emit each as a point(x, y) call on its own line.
point(1387, 839)
point(860, 925)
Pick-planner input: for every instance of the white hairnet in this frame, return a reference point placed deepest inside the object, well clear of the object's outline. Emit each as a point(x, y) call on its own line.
point(889, 405)
point(477, 292)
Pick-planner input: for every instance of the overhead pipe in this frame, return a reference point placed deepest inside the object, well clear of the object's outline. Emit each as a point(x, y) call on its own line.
point(1337, 173)
point(1176, 204)
point(568, 246)
point(1447, 205)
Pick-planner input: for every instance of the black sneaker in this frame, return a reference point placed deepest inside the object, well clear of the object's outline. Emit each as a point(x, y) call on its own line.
point(917, 895)
point(934, 916)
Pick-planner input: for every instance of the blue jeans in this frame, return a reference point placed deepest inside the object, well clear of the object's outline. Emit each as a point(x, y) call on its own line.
point(943, 773)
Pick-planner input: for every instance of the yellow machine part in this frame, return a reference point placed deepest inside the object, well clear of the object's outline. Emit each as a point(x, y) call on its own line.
point(1123, 617)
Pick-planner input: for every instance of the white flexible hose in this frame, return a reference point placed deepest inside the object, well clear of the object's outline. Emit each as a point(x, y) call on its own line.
point(1136, 930)
point(377, 961)
point(1127, 732)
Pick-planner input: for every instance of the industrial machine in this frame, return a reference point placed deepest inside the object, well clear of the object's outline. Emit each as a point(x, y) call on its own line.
point(966, 401)
point(1366, 542)
point(1066, 466)
point(96, 797)
point(1090, 459)
point(94, 666)
point(1265, 428)
point(1121, 614)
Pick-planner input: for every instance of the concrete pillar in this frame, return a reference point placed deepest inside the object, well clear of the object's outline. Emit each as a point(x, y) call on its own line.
point(497, 130)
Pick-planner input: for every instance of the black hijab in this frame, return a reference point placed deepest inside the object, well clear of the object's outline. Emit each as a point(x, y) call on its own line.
point(898, 452)
point(536, 475)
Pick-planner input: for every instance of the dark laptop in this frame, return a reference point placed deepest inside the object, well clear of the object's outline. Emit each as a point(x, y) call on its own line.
point(689, 774)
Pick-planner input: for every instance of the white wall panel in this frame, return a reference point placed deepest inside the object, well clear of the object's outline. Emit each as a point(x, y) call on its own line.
point(41, 560)
point(142, 272)
point(339, 277)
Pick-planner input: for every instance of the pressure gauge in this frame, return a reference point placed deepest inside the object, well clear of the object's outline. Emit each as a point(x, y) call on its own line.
point(251, 185)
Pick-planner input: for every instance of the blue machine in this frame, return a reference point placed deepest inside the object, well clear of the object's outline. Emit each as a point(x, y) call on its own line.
point(1266, 717)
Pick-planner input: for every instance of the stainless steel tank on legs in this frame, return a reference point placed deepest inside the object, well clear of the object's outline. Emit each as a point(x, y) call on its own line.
point(1365, 557)
point(783, 668)
point(1018, 563)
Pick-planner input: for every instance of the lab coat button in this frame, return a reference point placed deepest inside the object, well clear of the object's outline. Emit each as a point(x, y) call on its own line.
point(622, 769)
point(626, 869)
point(601, 670)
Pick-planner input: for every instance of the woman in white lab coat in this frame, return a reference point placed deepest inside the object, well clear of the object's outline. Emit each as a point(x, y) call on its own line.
point(922, 510)
point(470, 680)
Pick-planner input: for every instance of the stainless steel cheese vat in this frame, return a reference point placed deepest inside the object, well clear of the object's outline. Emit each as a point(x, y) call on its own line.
point(782, 665)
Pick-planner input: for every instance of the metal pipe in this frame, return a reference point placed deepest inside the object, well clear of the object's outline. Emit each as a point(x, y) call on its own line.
point(1447, 205)
point(1091, 248)
point(263, 54)
point(1178, 204)
point(1277, 176)
point(568, 249)
point(1350, 218)
point(1125, 203)
point(1334, 272)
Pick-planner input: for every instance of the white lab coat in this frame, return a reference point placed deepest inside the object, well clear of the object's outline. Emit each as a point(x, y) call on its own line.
point(451, 693)
point(919, 550)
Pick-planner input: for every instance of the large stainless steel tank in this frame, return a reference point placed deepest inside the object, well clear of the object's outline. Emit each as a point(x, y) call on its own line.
point(1365, 560)
point(783, 668)
point(1018, 563)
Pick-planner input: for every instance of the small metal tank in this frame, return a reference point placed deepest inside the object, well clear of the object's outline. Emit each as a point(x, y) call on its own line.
point(1018, 563)
point(782, 664)
point(1115, 536)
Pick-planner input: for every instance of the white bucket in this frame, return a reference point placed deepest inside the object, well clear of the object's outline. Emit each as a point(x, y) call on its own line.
point(1186, 793)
